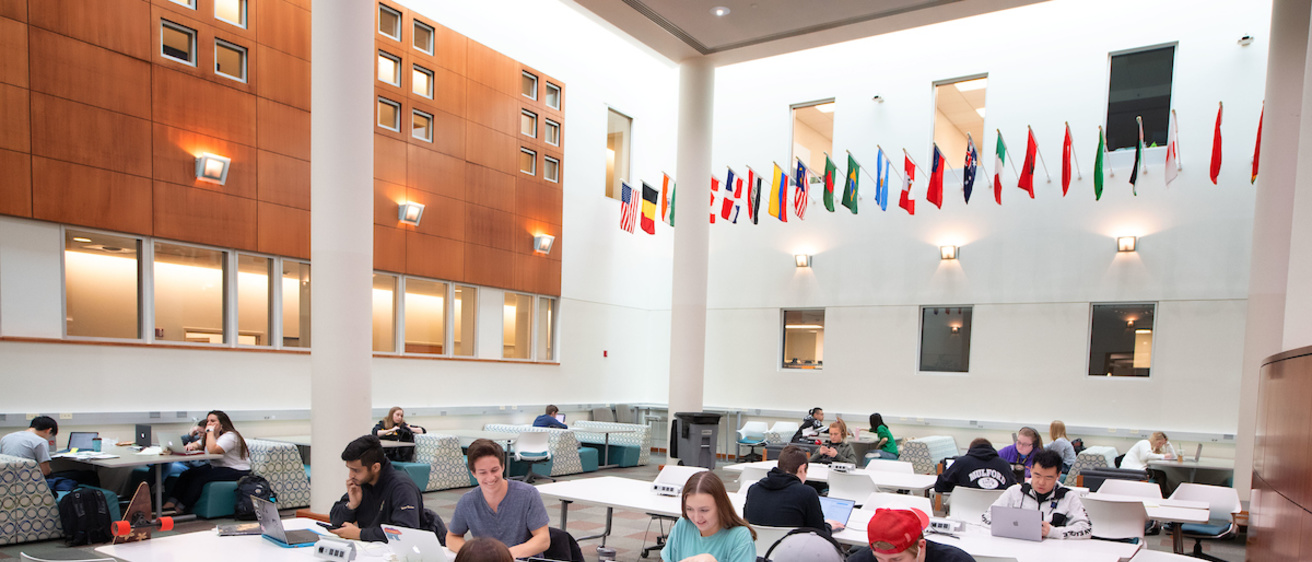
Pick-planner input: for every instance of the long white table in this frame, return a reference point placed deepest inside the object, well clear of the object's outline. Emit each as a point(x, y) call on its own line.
point(1217, 469)
point(126, 457)
point(208, 546)
point(978, 541)
point(918, 483)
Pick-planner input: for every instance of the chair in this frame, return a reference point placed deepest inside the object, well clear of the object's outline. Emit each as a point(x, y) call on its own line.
point(562, 547)
point(753, 435)
point(1131, 488)
point(767, 536)
point(1116, 519)
point(855, 487)
point(1222, 504)
point(750, 475)
point(1093, 478)
point(803, 546)
point(885, 465)
point(533, 447)
point(969, 504)
point(781, 432)
point(1092, 457)
point(877, 500)
point(25, 557)
point(925, 452)
point(603, 415)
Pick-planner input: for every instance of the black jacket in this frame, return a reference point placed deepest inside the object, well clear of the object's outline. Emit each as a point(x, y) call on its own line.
point(981, 467)
point(782, 500)
point(393, 500)
point(934, 552)
point(808, 423)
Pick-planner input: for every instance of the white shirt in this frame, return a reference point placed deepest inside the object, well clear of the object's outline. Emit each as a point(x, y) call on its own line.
point(1138, 456)
point(27, 445)
point(231, 453)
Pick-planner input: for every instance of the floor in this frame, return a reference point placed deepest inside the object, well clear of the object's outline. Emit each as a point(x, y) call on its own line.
point(631, 531)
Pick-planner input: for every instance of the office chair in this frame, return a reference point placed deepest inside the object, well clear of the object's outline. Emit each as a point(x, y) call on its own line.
point(969, 504)
point(753, 435)
point(533, 447)
point(1116, 519)
point(1223, 504)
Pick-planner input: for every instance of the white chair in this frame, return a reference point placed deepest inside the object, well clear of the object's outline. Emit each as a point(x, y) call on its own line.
point(877, 500)
point(533, 447)
point(751, 475)
point(846, 486)
point(767, 536)
point(969, 504)
point(1131, 488)
point(1116, 519)
point(781, 432)
point(25, 557)
point(753, 435)
point(1222, 504)
point(886, 465)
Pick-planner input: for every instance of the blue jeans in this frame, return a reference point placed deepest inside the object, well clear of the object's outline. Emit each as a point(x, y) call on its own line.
point(883, 454)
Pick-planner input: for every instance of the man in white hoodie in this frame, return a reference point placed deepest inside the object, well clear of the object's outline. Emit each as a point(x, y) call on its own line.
point(1062, 512)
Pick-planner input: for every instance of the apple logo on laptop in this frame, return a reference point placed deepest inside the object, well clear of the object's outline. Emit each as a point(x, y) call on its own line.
point(1015, 523)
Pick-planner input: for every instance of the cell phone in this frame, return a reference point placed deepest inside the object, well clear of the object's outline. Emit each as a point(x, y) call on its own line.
point(328, 526)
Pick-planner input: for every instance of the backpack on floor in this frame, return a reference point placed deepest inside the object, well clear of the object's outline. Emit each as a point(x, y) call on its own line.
point(85, 516)
point(251, 485)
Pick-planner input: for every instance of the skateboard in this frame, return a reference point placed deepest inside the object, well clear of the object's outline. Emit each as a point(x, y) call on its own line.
point(137, 524)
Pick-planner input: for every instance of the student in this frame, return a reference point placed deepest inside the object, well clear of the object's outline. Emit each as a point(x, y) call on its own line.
point(886, 447)
point(1057, 432)
point(394, 428)
point(1022, 451)
point(1154, 448)
point(811, 425)
point(507, 510)
point(782, 498)
point(221, 438)
point(898, 535)
point(979, 468)
point(34, 443)
point(378, 494)
point(710, 529)
point(1061, 511)
point(549, 419)
point(484, 549)
point(839, 450)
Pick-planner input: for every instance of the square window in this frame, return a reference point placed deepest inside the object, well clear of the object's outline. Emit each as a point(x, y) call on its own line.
point(102, 284)
point(553, 96)
point(423, 38)
point(619, 128)
point(384, 313)
point(389, 68)
point(813, 133)
point(528, 161)
point(389, 22)
point(959, 115)
point(231, 11)
point(1121, 340)
point(552, 132)
point(528, 85)
point(804, 339)
point(1139, 85)
point(528, 123)
point(188, 3)
point(550, 169)
point(229, 60)
point(190, 288)
point(389, 114)
point(178, 42)
point(517, 326)
point(421, 82)
point(422, 126)
point(945, 338)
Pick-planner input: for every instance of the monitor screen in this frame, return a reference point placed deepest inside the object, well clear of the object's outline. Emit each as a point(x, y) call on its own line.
point(143, 435)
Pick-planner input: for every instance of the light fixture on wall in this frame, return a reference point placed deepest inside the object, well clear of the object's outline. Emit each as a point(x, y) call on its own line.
point(803, 260)
point(1126, 243)
point(956, 329)
point(1246, 40)
point(212, 168)
point(947, 252)
point(542, 243)
point(410, 213)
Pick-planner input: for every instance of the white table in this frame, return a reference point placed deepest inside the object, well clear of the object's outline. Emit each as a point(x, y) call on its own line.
point(918, 483)
point(1205, 464)
point(126, 457)
point(605, 462)
point(305, 441)
point(977, 540)
point(207, 546)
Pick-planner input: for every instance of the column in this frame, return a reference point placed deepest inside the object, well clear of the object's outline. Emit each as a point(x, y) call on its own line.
point(341, 238)
point(1298, 299)
point(1272, 216)
point(691, 236)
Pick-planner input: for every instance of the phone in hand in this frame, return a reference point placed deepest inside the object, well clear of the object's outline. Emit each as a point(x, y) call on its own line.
point(328, 526)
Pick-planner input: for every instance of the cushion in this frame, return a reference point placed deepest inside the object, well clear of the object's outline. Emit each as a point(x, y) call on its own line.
point(219, 499)
point(446, 464)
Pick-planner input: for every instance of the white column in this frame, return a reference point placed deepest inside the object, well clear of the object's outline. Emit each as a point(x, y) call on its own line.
point(1272, 216)
point(341, 238)
point(691, 235)
point(1298, 299)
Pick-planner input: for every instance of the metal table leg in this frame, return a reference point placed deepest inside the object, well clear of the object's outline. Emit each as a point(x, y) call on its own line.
point(606, 533)
point(564, 513)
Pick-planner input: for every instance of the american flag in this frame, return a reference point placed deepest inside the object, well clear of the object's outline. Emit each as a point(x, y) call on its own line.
point(628, 208)
point(800, 196)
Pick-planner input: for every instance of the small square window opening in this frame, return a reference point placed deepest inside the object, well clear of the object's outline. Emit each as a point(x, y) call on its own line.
point(178, 42)
point(422, 126)
point(528, 161)
point(229, 60)
point(528, 123)
point(389, 22)
point(423, 38)
point(389, 114)
point(552, 134)
point(550, 169)
point(553, 96)
point(528, 85)
point(421, 82)
point(231, 11)
point(389, 68)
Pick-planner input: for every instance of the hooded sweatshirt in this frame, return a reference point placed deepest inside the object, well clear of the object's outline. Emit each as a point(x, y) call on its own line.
point(809, 423)
point(782, 500)
point(980, 467)
point(1060, 508)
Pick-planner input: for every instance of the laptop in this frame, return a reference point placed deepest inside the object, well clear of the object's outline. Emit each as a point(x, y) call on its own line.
point(417, 545)
point(560, 418)
point(143, 435)
point(1017, 523)
point(81, 440)
point(837, 509)
point(266, 512)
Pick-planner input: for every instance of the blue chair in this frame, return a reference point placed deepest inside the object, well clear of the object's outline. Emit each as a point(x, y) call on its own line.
point(1223, 503)
point(752, 435)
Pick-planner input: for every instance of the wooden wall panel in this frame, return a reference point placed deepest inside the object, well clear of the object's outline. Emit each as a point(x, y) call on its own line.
point(291, 33)
point(443, 216)
point(206, 217)
point(487, 187)
point(15, 183)
point(491, 68)
point(451, 49)
point(88, 135)
point(208, 108)
point(283, 78)
point(537, 274)
point(535, 200)
point(112, 24)
point(449, 134)
point(85, 73)
point(389, 159)
point(432, 256)
point(85, 196)
point(389, 249)
point(13, 52)
point(14, 9)
point(284, 129)
point(283, 231)
point(492, 149)
point(175, 152)
point(435, 172)
point(1282, 496)
point(489, 266)
point(387, 198)
point(491, 227)
point(448, 91)
point(15, 119)
point(283, 180)
point(491, 109)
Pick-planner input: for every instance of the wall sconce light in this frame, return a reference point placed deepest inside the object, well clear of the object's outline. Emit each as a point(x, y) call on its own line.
point(1126, 243)
point(803, 260)
point(947, 252)
point(542, 243)
point(956, 329)
point(212, 168)
point(410, 213)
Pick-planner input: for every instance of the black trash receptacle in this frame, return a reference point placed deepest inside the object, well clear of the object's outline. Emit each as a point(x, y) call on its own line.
point(693, 436)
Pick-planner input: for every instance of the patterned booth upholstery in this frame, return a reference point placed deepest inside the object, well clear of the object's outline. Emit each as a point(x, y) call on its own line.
point(926, 452)
point(277, 462)
point(1092, 457)
point(446, 463)
point(27, 508)
point(565, 455)
point(640, 439)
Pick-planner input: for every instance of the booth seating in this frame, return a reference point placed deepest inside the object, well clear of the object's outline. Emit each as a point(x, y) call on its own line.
point(626, 449)
point(567, 455)
point(28, 511)
point(1092, 457)
point(925, 452)
point(438, 464)
point(277, 462)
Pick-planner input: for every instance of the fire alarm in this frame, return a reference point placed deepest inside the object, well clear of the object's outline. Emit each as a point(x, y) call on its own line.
point(605, 353)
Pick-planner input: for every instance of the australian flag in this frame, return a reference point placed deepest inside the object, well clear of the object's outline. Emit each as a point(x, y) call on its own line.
point(968, 171)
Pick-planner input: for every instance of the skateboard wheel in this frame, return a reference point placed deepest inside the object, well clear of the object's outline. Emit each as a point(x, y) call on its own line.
point(121, 528)
point(166, 523)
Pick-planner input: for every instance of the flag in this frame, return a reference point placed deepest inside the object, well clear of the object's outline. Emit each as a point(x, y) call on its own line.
point(737, 195)
point(649, 199)
point(1257, 149)
point(831, 175)
point(669, 218)
point(935, 193)
point(907, 202)
point(882, 164)
point(1027, 168)
point(726, 209)
point(715, 186)
point(667, 199)
point(1172, 150)
point(779, 195)
point(1215, 169)
point(997, 169)
point(970, 168)
point(1138, 159)
point(1067, 147)
point(628, 208)
point(1097, 165)
point(800, 197)
point(753, 196)
point(850, 185)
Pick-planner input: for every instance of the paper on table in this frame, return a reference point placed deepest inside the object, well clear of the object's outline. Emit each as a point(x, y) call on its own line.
point(151, 451)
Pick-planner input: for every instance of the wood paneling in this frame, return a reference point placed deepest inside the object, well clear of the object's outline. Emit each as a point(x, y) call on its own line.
point(284, 129)
point(443, 216)
point(208, 108)
point(76, 132)
point(487, 187)
point(283, 180)
point(283, 78)
point(291, 33)
point(283, 231)
point(14, 9)
point(207, 217)
point(435, 172)
point(492, 227)
point(492, 149)
point(389, 249)
point(388, 197)
point(175, 152)
point(91, 75)
point(449, 134)
point(85, 196)
point(451, 50)
point(15, 183)
point(448, 91)
point(491, 109)
point(537, 200)
point(489, 266)
point(389, 159)
point(1282, 494)
point(432, 256)
point(537, 274)
point(118, 25)
point(15, 119)
point(491, 68)
point(13, 52)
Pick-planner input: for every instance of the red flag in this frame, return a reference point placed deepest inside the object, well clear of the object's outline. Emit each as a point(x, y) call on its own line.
point(906, 202)
point(1257, 150)
point(1215, 170)
point(1027, 169)
point(935, 193)
point(715, 186)
point(1066, 149)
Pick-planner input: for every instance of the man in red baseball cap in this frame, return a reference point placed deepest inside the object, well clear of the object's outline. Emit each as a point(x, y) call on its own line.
point(898, 535)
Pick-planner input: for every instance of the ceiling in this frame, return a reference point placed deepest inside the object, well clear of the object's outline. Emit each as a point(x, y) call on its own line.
point(961, 109)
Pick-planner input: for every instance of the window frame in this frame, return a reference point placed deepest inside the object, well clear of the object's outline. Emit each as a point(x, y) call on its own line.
point(920, 338)
point(614, 189)
point(1088, 351)
point(549, 123)
point(526, 113)
point(229, 255)
point(192, 46)
point(537, 324)
point(233, 302)
point(555, 178)
point(415, 68)
point(396, 66)
point(416, 113)
point(560, 96)
point(145, 251)
point(244, 7)
point(189, 4)
point(532, 327)
point(933, 119)
point(432, 38)
point(1107, 89)
point(534, 153)
point(792, 133)
point(378, 118)
point(400, 22)
point(245, 60)
point(537, 84)
point(281, 325)
point(448, 320)
point(782, 363)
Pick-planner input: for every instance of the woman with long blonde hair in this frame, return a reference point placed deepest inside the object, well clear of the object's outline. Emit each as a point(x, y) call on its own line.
point(394, 428)
point(1062, 445)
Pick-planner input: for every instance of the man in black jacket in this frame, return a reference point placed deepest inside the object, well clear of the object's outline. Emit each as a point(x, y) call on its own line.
point(378, 494)
point(782, 499)
point(980, 467)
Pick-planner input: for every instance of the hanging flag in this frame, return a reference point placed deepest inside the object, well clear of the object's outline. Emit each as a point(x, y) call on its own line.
point(935, 193)
point(669, 218)
point(882, 164)
point(997, 169)
point(1172, 150)
point(628, 208)
point(1097, 165)
point(970, 168)
point(1257, 149)
point(1067, 147)
point(831, 176)
point(779, 195)
point(738, 197)
point(649, 199)
point(665, 197)
point(851, 183)
point(1215, 169)
point(800, 197)
point(754, 196)
point(715, 186)
point(907, 202)
point(1027, 168)
point(726, 209)
point(1138, 159)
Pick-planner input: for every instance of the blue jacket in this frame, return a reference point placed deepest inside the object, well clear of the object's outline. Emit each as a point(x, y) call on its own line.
point(548, 421)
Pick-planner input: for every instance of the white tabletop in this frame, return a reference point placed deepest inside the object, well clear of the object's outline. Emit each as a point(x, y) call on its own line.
point(979, 541)
point(125, 457)
point(1189, 463)
point(305, 441)
point(207, 546)
point(889, 480)
point(1170, 511)
point(599, 430)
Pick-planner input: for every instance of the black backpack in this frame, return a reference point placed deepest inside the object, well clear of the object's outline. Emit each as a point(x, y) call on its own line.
point(85, 516)
point(1078, 445)
point(251, 485)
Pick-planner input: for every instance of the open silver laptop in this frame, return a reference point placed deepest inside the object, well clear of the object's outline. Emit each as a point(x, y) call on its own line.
point(835, 509)
point(414, 544)
point(1017, 523)
point(271, 527)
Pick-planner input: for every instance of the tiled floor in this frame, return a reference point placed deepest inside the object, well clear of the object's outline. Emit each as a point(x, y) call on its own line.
point(630, 532)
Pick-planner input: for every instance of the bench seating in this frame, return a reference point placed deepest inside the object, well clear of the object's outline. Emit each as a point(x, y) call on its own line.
point(567, 455)
point(277, 462)
point(1091, 457)
point(925, 452)
point(446, 464)
point(626, 449)
point(28, 511)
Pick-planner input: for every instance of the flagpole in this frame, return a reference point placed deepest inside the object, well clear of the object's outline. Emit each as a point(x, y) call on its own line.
point(1040, 153)
point(1011, 161)
point(890, 164)
point(1143, 166)
point(1111, 172)
point(988, 183)
point(913, 162)
point(1074, 155)
point(1176, 119)
point(861, 167)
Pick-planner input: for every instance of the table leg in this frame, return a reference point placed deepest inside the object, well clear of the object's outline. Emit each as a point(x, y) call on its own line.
point(606, 533)
point(159, 491)
point(1177, 538)
point(564, 513)
point(605, 451)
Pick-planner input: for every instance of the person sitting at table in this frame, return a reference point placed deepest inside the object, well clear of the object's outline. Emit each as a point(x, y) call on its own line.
point(1060, 507)
point(378, 494)
point(898, 535)
point(507, 510)
point(394, 428)
point(1061, 444)
point(33, 443)
point(782, 498)
point(979, 468)
point(710, 529)
point(549, 419)
point(811, 425)
point(838, 450)
point(886, 446)
point(221, 438)
point(1021, 453)
point(484, 549)
point(1155, 448)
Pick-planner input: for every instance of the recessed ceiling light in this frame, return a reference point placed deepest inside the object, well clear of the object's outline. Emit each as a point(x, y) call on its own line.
point(81, 239)
point(720, 11)
point(825, 107)
point(970, 85)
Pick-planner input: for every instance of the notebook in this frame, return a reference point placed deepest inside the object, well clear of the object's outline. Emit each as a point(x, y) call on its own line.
point(271, 526)
point(837, 509)
point(1017, 523)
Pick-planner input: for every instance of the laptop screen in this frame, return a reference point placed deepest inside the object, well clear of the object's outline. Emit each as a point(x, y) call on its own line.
point(82, 439)
point(270, 522)
point(560, 418)
point(836, 509)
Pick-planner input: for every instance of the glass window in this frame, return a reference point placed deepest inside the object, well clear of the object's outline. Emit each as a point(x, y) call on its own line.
point(958, 112)
point(1139, 86)
point(389, 22)
point(178, 42)
point(550, 169)
point(189, 289)
point(423, 38)
point(101, 285)
point(619, 128)
point(813, 134)
point(425, 316)
point(422, 126)
point(389, 114)
point(253, 290)
point(553, 96)
point(295, 304)
point(466, 313)
point(552, 132)
point(1121, 340)
point(528, 85)
point(528, 123)
point(528, 161)
point(384, 312)
point(231, 11)
point(422, 82)
point(517, 323)
point(229, 60)
point(188, 3)
point(546, 329)
point(389, 68)
point(804, 339)
point(945, 338)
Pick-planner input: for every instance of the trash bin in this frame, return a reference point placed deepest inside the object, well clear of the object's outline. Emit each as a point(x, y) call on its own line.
point(693, 437)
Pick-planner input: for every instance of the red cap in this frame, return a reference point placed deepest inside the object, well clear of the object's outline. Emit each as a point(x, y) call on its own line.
point(891, 531)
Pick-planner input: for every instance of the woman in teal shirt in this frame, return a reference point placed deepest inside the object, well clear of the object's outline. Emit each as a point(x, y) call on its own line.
point(710, 529)
point(886, 448)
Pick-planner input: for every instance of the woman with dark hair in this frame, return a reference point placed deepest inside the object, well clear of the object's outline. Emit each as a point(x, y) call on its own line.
point(710, 529)
point(484, 549)
point(394, 428)
point(221, 438)
point(1021, 453)
point(886, 447)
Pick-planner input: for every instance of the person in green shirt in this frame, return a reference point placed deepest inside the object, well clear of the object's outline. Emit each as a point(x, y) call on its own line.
point(886, 448)
point(711, 529)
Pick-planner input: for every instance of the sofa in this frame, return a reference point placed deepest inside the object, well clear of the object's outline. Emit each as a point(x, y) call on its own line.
point(277, 462)
point(926, 452)
point(1092, 457)
point(28, 511)
point(567, 455)
point(626, 449)
point(442, 464)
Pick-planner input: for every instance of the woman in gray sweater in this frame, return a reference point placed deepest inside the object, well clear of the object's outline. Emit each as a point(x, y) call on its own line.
point(838, 450)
